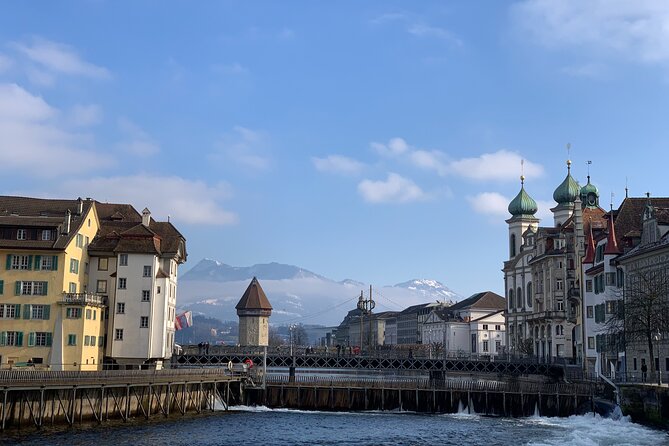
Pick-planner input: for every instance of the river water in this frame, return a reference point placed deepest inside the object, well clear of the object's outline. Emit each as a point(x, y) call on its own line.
point(269, 427)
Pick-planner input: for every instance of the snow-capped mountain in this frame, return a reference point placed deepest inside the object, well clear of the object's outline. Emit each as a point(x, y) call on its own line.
point(430, 289)
point(213, 288)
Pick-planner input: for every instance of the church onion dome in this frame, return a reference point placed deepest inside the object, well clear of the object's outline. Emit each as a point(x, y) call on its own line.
point(568, 190)
point(523, 204)
point(589, 188)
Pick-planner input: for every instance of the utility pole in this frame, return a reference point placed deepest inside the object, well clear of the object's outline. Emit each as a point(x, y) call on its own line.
point(365, 306)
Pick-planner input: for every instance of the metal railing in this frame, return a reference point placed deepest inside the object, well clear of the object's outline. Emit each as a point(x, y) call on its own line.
point(84, 299)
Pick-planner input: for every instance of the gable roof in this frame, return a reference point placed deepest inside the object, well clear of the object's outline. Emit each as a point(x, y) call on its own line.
point(254, 298)
point(485, 300)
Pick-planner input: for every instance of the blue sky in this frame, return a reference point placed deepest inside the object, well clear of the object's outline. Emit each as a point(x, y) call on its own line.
point(379, 141)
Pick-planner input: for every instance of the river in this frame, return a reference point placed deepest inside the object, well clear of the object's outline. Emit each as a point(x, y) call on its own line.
point(269, 427)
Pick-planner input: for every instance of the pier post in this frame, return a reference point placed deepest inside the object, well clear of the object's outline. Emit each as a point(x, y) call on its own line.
point(4, 408)
point(127, 403)
point(168, 399)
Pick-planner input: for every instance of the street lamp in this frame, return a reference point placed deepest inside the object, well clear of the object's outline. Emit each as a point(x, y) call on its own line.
point(657, 336)
point(365, 306)
point(291, 327)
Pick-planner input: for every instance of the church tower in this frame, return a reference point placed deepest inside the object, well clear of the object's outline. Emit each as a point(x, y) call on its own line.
point(254, 311)
point(565, 195)
point(522, 209)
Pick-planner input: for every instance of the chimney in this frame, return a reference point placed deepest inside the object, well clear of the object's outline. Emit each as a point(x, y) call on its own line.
point(146, 217)
point(66, 225)
point(80, 206)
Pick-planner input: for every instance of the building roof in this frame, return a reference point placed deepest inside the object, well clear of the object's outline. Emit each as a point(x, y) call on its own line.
point(41, 214)
point(484, 300)
point(522, 204)
point(568, 190)
point(414, 308)
point(254, 298)
point(628, 218)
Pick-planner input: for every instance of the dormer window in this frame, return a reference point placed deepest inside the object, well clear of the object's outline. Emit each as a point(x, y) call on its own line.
point(21, 234)
point(46, 234)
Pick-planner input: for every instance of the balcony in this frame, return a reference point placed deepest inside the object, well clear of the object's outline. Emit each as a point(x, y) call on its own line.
point(546, 315)
point(84, 299)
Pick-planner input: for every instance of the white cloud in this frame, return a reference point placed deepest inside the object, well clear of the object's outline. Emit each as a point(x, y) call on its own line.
point(5, 63)
point(185, 201)
point(85, 115)
point(243, 146)
point(338, 164)
point(491, 203)
point(501, 165)
point(396, 189)
point(430, 160)
point(394, 147)
point(636, 30)
point(544, 210)
point(137, 142)
point(33, 142)
point(59, 58)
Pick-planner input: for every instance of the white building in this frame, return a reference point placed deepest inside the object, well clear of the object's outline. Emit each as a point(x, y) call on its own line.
point(474, 326)
point(134, 262)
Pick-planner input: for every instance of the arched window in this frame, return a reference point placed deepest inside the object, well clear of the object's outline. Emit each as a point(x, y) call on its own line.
point(512, 245)
point(529, 294)
point(519, 297)
point(510, 298)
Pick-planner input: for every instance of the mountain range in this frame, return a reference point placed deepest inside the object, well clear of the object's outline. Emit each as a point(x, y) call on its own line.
point(297, 295)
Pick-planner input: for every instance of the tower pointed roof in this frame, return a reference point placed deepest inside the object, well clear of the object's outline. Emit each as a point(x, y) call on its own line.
point(611, 241)
point(522, 204)
point(254, 298)
point(590, 249)
point(568, 190)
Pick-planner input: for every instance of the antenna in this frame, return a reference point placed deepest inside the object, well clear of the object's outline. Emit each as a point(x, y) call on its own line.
point(588, 163)
point(626, 190)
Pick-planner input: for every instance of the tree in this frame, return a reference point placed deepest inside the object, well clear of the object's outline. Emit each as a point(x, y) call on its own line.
point(525, 347)
point(274, 338)
point(643, 312)
point(300, 335)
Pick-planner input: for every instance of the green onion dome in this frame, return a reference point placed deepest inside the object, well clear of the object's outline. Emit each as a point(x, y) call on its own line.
point(523, 204)
point(589, 188)
point(568, 190)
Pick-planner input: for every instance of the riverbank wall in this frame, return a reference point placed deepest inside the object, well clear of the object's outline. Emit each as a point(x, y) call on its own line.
point(645, 403)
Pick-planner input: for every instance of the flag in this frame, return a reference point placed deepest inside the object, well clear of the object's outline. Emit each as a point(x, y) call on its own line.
point(184, 320)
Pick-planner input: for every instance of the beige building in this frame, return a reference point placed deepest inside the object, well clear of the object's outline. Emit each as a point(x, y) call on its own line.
point(254, 311)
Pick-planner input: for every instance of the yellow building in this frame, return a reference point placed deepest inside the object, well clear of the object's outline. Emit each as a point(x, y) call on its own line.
point(47, 316)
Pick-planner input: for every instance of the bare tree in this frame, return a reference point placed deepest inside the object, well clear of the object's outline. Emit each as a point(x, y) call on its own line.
point(274, 338)
point(642, 314)
point(525, 347)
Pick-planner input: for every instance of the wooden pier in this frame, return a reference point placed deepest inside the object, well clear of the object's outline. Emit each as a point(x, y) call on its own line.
point(38, 398)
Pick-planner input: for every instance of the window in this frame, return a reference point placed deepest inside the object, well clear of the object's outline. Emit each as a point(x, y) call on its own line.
point(118, 334)
point(147, 271)
point(611, 306)
point(19, 262)
point(9, 311)
point(48, 263)
point(558, 285)
point(120, 307)
point(12, 338)
point(158, 290)
point(146, 295)
point(71, 339)
point(46, 234)
point(40, 339)
point(512, 246)
point(103, 264)
point(39, 312)
point(95, 314)
point(80, 241)
point(122, 282)
point(93, 341)
point(73, 287)
point(485, 326)
point(498, 327)
point(27, 288)
point(144, 322)
point(87, 340)
point(101, 341)
point(101, 286)
point(88, 240)
point(21, 234)
point(2, 286)
point(89, 314)
point(74, 266)
point(473, 343)
point(634, 364)
point(73, 313)
point(589, 311)
point(485, 346)
point(559, 305)
point(123, 259)
point(498, 346)
point(528, 290)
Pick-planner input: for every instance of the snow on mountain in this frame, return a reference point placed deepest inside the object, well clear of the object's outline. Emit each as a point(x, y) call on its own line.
point(296, 294)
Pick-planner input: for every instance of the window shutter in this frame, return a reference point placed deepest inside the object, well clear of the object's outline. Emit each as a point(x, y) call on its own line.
point(38, 263)
point(2, 286)
point(46, 286)
point(19, 339)
point(27, 308)
point(47, 312)
point(30, 262)
point(17, 288)
point(17, 311)
point(55, 263)
point(3, 337)
point(31, 339)
point(49, 339)
point(9, 261)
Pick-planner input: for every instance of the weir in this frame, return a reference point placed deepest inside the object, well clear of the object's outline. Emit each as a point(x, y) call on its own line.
point(39, 398)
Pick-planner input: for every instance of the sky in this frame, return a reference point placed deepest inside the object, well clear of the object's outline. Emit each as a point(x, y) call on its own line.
point(379, 141)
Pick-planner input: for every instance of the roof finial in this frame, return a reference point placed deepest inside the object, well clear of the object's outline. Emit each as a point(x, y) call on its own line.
point(612, 195)
point(626, 190)
point(568, 156)
point(522, 172)
point(589, 162)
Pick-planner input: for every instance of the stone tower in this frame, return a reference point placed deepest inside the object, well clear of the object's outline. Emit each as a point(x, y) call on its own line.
point(254, 311)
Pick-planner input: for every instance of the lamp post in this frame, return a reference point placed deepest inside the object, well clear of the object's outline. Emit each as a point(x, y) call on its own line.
point(365, 306)
point(658, 336)
point(291, 327)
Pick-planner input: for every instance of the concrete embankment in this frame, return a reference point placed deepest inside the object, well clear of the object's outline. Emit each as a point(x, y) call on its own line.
point(646, 404)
